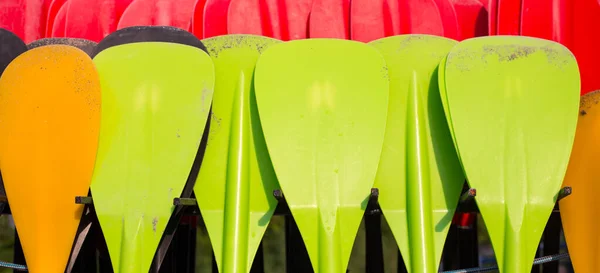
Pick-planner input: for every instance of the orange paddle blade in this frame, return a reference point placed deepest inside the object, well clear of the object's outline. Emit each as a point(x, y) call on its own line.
point(49, 119)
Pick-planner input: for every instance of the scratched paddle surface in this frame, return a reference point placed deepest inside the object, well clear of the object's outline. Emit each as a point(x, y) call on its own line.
point(232, 204)
point(323, 108)
point(419, 168)
point(152, 123)
point(50, 119)
point(513, 104)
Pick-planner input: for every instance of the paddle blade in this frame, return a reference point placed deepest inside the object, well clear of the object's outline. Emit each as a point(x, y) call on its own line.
point(12, 47)
point(418, 162)
point(157, 97)
point(232, 204)
point(586, 34)
point(509, 17)
point(513, 106)
point(323, 108)
point(580, 211)
point(198, 19)
point(50, 113)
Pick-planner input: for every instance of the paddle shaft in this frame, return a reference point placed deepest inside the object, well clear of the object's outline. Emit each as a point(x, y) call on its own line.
point(421, 239)
point(237, 197)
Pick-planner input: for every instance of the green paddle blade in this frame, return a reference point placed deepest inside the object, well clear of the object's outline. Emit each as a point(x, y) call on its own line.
point(419, 176)
point(235, 184)
point(155, 102)
point(323, 108)
point(513, 103)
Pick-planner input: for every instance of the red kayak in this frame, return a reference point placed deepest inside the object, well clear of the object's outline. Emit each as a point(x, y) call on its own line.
point(374, 19)
point(93, 19)
point(215, 17)
point(158, 13)
point(60, 22)
point(53, 10)
point(283, 20)
point(330, 19)
point(23, 18)
point(197, 27)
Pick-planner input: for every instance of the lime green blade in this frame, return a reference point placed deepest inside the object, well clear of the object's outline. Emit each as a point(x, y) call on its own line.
point(155, 102)
point(323, 108)
point(419, 176)
point(513, 103)
point(235, 185)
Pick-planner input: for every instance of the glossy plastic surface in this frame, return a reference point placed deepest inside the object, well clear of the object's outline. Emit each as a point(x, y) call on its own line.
point(323, 108)
point(513, 103)
point(419, 177)
point(50, 116)
point(152, 122)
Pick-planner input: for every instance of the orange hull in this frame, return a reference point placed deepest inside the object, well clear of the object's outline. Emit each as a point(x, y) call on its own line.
point(49, 119)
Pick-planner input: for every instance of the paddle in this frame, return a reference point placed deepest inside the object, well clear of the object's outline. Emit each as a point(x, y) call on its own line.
point(236, 209)
point(419, 175)
point(472, 18)
point(86, 45)
point(579, 212)
point(93, 19)
point(53, 9)
point(152, 124)
point(12, 46)
point(50, 116)
point(513, 107)
point(329, 19)
point(323, 107)
point(158, 13)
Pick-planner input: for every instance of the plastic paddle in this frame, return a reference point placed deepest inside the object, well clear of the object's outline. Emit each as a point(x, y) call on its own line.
point(236, 208)
point(158, 13)
point(329, 19)
point(419, 168)
point(434, 17)
point(53, 9)
point(86, 45)
point(144, 179)
point(93, 19)
point(513, 106)
point(581, 210)
point(325, 146)
point(50, 116)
